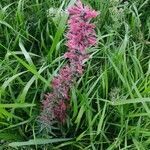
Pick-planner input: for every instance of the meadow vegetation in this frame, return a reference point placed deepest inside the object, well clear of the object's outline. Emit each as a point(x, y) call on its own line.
point(110, 103)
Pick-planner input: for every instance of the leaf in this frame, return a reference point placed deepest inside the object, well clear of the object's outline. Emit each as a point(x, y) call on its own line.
point(130, 101)
point(26, 54)
point(101, 119)
point(17, 105)
point(38, 142)
point(6, 83)
point(31, 69)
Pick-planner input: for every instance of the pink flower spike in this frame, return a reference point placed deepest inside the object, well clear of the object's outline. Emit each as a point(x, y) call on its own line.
point(80, 36)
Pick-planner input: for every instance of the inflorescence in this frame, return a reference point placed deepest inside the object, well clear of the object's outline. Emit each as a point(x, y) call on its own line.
point(80, 36)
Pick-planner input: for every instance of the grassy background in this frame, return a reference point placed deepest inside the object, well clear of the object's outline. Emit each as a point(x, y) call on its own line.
point(110, 107)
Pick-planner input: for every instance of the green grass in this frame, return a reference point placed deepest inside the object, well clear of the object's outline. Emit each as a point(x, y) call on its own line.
point(110, 103)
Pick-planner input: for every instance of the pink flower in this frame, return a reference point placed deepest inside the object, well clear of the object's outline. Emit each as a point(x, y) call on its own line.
point(60, 111)
point(81, 35)
point(90, 13)
point(66, 73)
point(56, 82)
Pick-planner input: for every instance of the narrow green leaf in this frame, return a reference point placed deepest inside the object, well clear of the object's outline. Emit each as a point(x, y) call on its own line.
point(26, 54)
point(131, 101)
point(38, 142)
point(17, 105)
point(99, 127)
point(31, 69)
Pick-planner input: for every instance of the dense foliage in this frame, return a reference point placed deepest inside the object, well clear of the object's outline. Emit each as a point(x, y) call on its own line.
point(109, 104)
